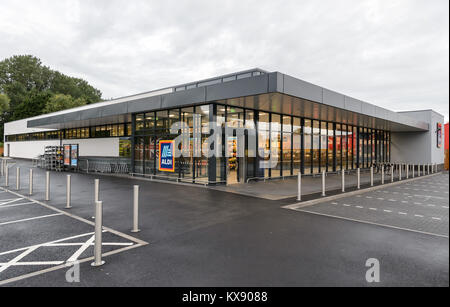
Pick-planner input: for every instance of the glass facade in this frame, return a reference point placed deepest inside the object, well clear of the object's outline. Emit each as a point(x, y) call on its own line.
point(289, 144)
point(255, 140)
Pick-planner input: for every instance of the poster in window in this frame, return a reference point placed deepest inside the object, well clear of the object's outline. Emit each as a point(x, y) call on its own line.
point(67, 155)
point(166, 156)
point(74, 155)
point(439, 135)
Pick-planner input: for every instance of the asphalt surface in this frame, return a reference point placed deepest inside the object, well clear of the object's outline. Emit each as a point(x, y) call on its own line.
point(204, 237)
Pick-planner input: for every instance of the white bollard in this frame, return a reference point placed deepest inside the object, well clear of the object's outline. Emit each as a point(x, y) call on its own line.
point(371, 176)
point(30, 192)
point(413, 171)
point(96, 192)
point(399, 172)
point(98, 235)
point(392, 173)
point(358, 178)
point(6, 176)
point(68, 192)
point(18, 178)
point(407, 171)
point(382, 174)
point(343, 181)
point(47, 186)
point(135, 209)
point(323, 184)
point(299, 187)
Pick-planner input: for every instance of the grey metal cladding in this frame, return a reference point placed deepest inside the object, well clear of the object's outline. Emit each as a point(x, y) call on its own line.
point(144, 104)
point(275, 82)
point(368, 109)
point(240, 88)
point(353, 104)
point(114, 109)
point(333, 99)
point(302, 89)
point(381, 113)
point(36, 122)
point(187, 97)
point(72, 116)
point(90, 113)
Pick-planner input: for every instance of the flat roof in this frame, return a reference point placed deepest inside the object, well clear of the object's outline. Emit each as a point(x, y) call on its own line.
point(284, 94)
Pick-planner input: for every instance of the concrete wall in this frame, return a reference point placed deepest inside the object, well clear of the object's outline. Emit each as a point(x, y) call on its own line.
point(418, 147)
point(106, 147)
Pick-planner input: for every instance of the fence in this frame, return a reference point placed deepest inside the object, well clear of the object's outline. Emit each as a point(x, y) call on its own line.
point(105, 165)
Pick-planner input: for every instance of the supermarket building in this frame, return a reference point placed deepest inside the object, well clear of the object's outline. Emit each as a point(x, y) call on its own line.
point(302, 127)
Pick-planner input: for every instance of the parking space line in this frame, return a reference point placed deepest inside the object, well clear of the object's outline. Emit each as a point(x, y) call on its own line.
point(16, 205)
point(10, 201)
point(30, 219)
point(373, 223)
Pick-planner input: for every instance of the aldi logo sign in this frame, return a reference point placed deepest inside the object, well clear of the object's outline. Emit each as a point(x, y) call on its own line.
point(166, 156)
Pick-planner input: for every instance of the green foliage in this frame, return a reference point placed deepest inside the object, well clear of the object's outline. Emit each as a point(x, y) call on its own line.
point(30, 86)
point(4, 104)
point(62, 102)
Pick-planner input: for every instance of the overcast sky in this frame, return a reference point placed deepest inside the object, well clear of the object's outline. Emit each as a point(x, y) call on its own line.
point(392, 53)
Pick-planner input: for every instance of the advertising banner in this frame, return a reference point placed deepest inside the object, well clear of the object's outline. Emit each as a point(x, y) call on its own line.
point(439, 135)
point(74, 155)
point(166, 156)
point(67, 155)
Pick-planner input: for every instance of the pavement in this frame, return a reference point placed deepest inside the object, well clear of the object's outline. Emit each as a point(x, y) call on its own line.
point(191, 236)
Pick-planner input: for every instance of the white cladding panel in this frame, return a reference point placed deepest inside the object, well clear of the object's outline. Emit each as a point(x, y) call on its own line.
point(106, 147)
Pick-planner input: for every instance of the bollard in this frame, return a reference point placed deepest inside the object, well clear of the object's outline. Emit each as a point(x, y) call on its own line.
point(135, 209)
point(392, 173)
point(98, 235)
point(382, 174)
point(358, 179)
point(371, 176)
point(18, 178)
point(400, 172)
point(6, 176)
point(343, 181)
point(299, 187)
point(407, 171)
point(428, 168)
point(413, 170)
point(47, 186)
point(323, 184)
point(68, 192)
point(418, 170)
point(30, 192)
point(96, 192)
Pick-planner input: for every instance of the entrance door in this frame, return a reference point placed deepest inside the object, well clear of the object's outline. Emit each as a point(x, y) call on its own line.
point(235, 161)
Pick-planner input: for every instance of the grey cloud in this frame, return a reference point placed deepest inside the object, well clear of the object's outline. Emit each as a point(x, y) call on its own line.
point(390, 53)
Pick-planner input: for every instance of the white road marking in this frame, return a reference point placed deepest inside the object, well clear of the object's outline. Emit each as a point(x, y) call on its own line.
point(436, 218)
point(403, 213)
point(404, 201)
point(418, 215)
point(30, 219)
point(388, 211)
point(380, 198)
point(373, 209)
point(392, 200)
point(334, 203)
point(82, 248)
point(445, 207)
point(9, 201)
point(359, 207)
point(369, 197)
point(17, 205)
point(345, 205)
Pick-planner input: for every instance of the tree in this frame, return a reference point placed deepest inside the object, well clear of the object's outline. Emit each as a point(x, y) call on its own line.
point(62, 102)
point(4, 103)
point(30, 85)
